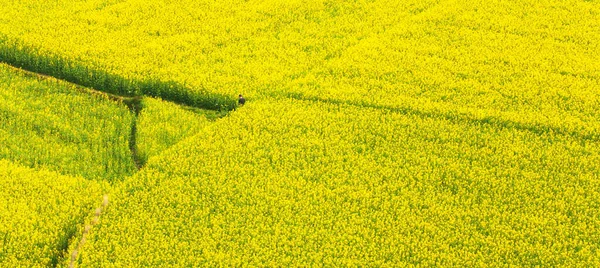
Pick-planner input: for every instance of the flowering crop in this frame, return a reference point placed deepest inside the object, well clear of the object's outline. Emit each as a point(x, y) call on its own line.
point(529, 63)
point(162, 124)
point(50, 124)
point(40, 212)
point(293, 182)
point(376, 133)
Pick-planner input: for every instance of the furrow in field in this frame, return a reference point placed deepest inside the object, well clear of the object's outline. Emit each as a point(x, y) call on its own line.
point(17, 55)
point(535, 123)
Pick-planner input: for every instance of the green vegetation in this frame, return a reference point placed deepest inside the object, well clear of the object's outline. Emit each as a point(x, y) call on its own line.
point(51, 124)
point(161, 124)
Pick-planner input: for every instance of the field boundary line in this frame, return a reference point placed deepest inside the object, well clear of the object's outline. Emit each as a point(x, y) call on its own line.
point(86, 230)
point(493, 121)
point(17, 54)
point(92, 91)
point(133, 103)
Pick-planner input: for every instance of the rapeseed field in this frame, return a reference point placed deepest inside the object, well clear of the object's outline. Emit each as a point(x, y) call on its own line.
point(375, 133)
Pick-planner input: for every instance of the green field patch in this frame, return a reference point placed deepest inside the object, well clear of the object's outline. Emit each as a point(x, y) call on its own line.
point(54, 125)
point(161, 124)
point(81, 131)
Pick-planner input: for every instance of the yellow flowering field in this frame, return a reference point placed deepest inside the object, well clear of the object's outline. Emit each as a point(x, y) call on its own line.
point(375, 133)
point(324, 184)
point(39, 213)
point(529, 63)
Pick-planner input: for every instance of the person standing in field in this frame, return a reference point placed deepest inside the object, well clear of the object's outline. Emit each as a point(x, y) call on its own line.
point(241, 100)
